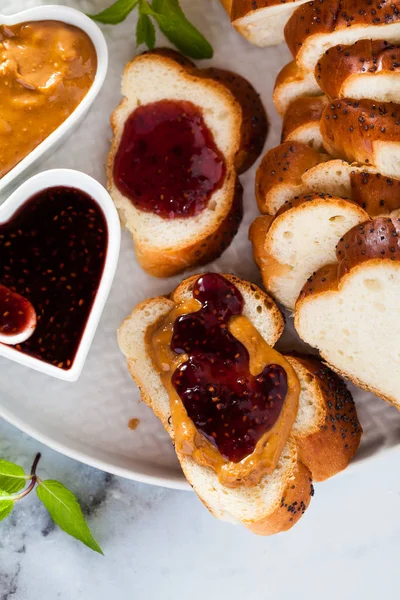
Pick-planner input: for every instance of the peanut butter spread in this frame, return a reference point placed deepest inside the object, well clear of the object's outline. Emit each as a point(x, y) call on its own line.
point(188, 439)
point(46, 69)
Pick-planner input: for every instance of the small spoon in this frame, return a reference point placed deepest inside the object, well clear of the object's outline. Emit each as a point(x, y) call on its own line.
point(17, 317)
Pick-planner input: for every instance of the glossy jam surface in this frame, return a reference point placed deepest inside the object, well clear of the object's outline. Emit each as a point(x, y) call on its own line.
point(52, 252)
point(167, 162)
point(16, 312)
point(230, 406)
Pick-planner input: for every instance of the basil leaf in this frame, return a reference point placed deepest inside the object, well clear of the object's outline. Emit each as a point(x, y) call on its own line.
point(64, 509)
point(178, 29)
point(12, 477)
point(6, 506)
point(116, 13)
point(145, 31)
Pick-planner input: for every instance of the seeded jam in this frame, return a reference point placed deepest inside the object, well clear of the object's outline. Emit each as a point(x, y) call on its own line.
point(16, 312)
point(231, 407)
point(52, 253)
point(167, 162)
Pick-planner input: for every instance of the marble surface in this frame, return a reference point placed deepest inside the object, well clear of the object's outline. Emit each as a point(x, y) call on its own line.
point(163, 545)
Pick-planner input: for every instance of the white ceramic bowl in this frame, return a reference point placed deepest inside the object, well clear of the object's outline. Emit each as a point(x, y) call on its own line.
point(79, 19)
point(80, 181)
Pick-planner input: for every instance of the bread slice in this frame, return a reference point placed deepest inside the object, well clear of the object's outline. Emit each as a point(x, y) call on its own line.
point(301, 122)
point(350, 311)
point(364, 131)
point(279, 175)
point(292, 83)
point(261, 22)
point(299, 240)
point(326, 433)
point(366, 69)
point(167, 246)
point(315, 27)
point(377, 194)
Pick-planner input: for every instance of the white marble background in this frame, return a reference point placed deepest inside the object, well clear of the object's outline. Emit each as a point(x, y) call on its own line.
point(163, 545)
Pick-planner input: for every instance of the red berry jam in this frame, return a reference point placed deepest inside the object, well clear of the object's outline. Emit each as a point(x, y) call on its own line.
point(167, 162)
point(52, 253)
point(231, 407)
point(16, 312)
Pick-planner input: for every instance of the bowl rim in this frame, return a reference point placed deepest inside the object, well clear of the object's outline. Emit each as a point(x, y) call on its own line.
point(70, 16)
point(85, 183)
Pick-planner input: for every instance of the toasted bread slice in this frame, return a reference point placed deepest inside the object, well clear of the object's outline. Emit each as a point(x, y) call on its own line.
point(315, 27)
point(350, 311)
point(364, 131)
point(366, 69)
point(299, 240)
point(279, 175)
point(167, 246)
point(301, 122)
point(262, 22)
point(326, 439)
point(292, 83)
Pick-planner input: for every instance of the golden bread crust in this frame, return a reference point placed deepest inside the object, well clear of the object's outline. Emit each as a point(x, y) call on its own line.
point(283, 165)
point(375, 193)
point(350, 128)
point(369, 58)
point(301, 112)
point(255, 124)
point(338, 431)
point(294, 502)
point(327, 16)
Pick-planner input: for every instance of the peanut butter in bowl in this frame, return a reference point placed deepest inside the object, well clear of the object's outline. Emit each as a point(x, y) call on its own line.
point(46, 69)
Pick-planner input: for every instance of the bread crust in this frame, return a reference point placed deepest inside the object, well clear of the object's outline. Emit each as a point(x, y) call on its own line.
point(283, 167)
point(338, 431)
point(213, 239)
point(375, 193)
point(200, 252)
point(295, 500)
point(254, 129)
point(302, 118)
point(325, 17)
point(297, 487)
point(291, 76)
point(367, 121)
point(366, 58)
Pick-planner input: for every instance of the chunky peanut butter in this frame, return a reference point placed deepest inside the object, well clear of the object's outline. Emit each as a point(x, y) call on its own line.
point(188, 440)
point(46, 69)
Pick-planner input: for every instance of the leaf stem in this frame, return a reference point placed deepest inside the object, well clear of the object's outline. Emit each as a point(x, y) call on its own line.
point(33, 477)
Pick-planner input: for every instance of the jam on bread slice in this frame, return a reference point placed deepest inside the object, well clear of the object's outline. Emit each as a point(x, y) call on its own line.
point(350, 311)
point(252, 428)
point(181, 137)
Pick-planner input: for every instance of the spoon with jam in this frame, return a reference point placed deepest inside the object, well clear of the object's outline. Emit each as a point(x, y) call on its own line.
point(17, 317)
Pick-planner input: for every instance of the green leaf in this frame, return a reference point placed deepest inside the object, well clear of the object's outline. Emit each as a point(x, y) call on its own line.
point(145, 30)
point(6, 505)
point(178, 29)
point(64, 509)
point(116, 13)
point(12, 477)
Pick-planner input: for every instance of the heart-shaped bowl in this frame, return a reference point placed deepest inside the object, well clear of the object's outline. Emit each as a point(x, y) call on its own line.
point(71, 16)
point(80, 181)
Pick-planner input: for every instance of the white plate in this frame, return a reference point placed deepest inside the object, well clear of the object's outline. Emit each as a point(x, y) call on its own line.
point(88, 420)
